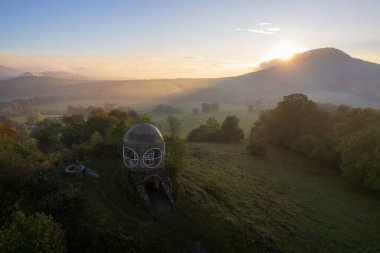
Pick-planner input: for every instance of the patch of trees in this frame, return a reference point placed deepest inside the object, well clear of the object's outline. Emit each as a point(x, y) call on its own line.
point(161, 108)
point(336, 136)
point(40, 211)
point(210, 107)
point(212, 131)
point(195, 111)
point(18, 107)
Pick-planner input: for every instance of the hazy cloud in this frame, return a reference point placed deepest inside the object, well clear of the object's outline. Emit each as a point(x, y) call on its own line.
point(264, 24)
point(260, 29)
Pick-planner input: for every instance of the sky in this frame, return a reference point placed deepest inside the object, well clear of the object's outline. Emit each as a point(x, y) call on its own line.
point(144, 39)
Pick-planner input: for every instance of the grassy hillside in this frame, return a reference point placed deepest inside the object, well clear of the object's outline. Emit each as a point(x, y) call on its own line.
point(235, 200)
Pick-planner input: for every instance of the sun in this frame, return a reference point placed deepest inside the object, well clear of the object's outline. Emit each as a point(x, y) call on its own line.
point(284, 51)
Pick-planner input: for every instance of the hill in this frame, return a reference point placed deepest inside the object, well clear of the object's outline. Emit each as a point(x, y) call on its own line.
point(8, 73)
point(131, 90)
point(33, 86)
point(326, 75)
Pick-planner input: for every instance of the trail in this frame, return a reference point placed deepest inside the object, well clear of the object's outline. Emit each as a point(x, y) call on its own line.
point(166, 217)
point(113, 205)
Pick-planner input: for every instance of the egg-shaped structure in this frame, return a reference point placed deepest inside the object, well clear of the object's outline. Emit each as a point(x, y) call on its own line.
point(144, 156)
point(144, 148)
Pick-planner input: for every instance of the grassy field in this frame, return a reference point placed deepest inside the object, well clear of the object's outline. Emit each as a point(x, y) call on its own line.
point(235, 200)
point(190, 121)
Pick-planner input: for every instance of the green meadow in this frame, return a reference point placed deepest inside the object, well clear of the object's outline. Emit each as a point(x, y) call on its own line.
point(230, 201)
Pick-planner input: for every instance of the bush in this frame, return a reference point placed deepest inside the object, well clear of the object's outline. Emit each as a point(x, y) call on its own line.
point(360, 154)
point(212, 131)
point(36, 233)
point(230, 130)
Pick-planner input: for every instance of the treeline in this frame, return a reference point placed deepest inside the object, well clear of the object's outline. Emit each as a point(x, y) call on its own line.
point(98, 135)
point(339, 137)
point(18, 107)
point(161, 108)
point(212, 131)
point(207, 108)
point(86, 110)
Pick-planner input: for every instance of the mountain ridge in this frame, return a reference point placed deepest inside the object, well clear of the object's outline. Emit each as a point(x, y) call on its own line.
point(327, 75)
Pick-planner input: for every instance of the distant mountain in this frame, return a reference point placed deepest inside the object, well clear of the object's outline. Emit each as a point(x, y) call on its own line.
point(64, 75)
point(327, 75)
point(33, 86)
point(130, 90)
point(8, 73)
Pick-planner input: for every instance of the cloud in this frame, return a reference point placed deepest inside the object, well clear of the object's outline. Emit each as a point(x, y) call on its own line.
point(268, 30)
point(264, 24)
point(273, 29)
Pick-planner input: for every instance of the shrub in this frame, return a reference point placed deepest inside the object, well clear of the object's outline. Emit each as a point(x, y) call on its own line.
point(360, 154)
point(36, 233)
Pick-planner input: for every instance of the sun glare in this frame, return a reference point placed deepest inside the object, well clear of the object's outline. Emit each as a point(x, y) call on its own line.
point(284, 51)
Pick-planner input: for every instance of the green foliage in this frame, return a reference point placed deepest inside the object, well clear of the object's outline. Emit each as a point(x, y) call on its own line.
point(230, 130)
point(174, 125)
point(175, 157)
point(295, 116)
point(360, 154)
point(357, 119)
point(36, 233)
point(206, 132)
point(299, 124)
point(73, 130)
point(47, 132)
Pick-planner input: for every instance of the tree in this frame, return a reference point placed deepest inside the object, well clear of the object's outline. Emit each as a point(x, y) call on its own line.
point(293, 117)
point(230, 130)
point(32, 117)
point(251, 109)
point(174, 125)
point(215, 106)
point(356, 120)
point(195, 111)
point(360, 155)
point(47, 132)
point(36, 233)
point(73, 129)
point(206, 108)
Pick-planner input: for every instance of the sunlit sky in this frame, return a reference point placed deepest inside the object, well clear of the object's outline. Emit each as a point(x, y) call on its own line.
point(177, 39)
